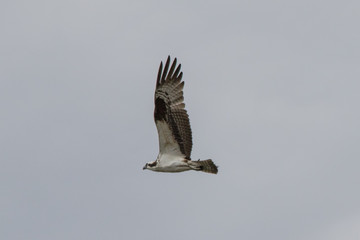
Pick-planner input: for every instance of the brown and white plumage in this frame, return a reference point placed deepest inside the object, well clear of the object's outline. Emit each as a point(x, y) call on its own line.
point(173, 125)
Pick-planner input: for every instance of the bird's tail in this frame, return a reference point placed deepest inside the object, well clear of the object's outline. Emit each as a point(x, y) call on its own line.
point(205, 166)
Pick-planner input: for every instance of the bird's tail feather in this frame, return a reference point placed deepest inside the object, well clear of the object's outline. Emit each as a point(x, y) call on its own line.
point(205, 166)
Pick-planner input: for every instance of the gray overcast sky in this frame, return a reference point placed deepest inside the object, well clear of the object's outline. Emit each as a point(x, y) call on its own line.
point(272, 89)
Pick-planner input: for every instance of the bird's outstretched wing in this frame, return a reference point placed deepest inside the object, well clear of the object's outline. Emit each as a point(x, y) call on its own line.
point(171, 118)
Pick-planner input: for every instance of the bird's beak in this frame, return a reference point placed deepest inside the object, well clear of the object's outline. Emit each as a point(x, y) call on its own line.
point(145, 167)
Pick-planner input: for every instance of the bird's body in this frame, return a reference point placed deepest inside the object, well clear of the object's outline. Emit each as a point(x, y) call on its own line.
point(173, 125)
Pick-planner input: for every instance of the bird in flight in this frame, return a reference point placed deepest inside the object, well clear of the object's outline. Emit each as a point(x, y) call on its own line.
point(173, 125)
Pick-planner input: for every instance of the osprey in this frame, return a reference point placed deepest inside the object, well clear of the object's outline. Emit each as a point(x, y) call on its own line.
point(173, 125)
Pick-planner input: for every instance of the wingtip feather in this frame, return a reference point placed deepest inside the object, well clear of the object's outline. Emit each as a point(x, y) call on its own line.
point(159, 74)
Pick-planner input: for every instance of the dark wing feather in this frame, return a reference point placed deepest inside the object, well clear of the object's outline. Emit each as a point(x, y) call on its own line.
point(170, 110)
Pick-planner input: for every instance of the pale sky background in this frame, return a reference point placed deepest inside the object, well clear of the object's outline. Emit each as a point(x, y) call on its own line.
point(272, 89)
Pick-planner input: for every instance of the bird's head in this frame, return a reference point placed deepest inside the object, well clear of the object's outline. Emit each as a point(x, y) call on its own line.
point(150, 165)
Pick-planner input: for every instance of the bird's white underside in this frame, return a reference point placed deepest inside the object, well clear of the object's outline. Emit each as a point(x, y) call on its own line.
point(167, 142)
point(170, 158)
